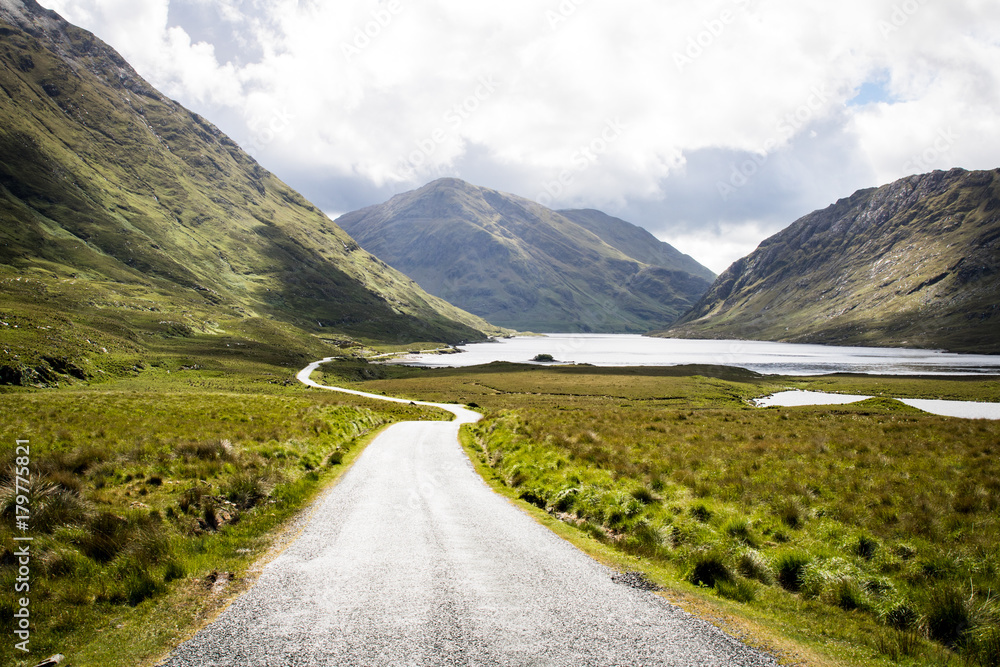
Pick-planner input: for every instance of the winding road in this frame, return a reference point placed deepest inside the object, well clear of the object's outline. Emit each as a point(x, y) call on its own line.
point(412, 560)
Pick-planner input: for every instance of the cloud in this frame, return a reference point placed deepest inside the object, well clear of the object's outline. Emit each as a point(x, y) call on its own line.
point(717, 246)
point(164, 55)
point(221, 23)
point(353, 102)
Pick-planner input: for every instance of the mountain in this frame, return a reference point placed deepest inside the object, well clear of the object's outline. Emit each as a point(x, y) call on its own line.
point(636, 242)
point(127, 218)
point(915, 264)
point(520, 265)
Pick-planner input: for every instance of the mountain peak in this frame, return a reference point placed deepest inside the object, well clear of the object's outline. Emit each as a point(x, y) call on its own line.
point(521, 265)
point(449, 182)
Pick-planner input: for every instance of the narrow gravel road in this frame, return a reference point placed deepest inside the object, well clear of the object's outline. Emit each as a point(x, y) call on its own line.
point(412, 560)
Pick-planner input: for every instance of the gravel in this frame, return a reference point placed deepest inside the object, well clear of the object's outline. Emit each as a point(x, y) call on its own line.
point(412, 560)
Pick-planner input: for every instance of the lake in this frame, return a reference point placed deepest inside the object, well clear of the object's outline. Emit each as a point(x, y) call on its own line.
point(963, 409)
point(762, 357)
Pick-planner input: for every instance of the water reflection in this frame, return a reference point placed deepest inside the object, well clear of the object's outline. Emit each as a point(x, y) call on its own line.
point(963, 409)
point(762, 357)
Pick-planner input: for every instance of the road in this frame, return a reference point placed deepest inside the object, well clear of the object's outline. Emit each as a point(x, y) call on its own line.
point(412, 560)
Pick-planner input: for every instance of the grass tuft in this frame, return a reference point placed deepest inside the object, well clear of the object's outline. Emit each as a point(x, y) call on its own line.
point(751, 564)
point(707, 568)
point(245, 488)
point(866, 547)
point(740, 529)
point(740, 590)
point(900, 616)
point(792, 513)
point(701, 512)
point(789, 568)
point(949, 615)
point(897, 645)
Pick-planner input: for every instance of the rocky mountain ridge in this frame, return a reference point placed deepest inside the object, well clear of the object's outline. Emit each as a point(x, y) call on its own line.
point(915, 263)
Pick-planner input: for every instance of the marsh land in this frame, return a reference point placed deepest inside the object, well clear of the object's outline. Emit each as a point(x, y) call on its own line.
point(863, 534)
point(867, 532)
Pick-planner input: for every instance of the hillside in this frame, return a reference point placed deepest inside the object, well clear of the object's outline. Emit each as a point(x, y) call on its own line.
point(915, 263)
point(127, 221)
point(636, 242)
point(521, 265)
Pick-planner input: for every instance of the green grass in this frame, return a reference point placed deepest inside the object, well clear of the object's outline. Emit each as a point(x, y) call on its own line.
point(145, 490)
point(868, 533)
point(861, 534)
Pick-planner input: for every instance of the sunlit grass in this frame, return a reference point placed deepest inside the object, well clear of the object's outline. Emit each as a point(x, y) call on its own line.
point(869, 530)
point(145, 489)
point(875, 514)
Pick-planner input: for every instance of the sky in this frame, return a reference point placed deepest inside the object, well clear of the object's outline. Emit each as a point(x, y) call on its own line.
point(712, 124)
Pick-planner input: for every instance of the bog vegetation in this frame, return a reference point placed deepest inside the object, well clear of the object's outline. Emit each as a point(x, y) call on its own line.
point(151, 495)
point(867, 533)
point(872, 527)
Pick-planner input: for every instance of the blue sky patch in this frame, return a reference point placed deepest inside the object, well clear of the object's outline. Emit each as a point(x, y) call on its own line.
point(872, 92)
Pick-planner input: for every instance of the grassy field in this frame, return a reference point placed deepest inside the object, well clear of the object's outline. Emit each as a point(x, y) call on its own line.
point(862, 534)
point(150, 497)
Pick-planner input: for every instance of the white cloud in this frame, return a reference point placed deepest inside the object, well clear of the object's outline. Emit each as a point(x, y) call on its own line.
point(387, 95)
point(718, 246)
point(944, 69)
point(165, 56)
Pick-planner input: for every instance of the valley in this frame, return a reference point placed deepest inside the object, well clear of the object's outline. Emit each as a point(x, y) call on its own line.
point(164, 300)
point(666, 471)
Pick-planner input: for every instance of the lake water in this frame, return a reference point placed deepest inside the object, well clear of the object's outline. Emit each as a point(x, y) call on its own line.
point(963, 409)
point(762, 357)
point(795, 398)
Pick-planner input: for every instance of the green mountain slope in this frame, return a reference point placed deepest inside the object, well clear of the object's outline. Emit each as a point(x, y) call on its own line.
point(915, 263)
point(521, 265)
point(636, 242)
point(128, 219)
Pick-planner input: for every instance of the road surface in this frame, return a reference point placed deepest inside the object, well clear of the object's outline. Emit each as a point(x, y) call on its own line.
point(412, 560)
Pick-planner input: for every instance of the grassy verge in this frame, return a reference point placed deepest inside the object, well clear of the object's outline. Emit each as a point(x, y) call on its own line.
point(151, 497)
point(864, 534)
